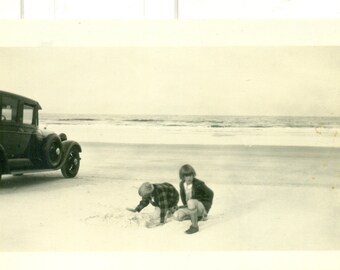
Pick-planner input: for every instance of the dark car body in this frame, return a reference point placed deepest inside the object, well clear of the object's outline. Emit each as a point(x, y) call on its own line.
point(24, 147)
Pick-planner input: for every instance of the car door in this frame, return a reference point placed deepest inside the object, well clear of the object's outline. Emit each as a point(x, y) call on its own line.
point(9, 125)
point(26, 130)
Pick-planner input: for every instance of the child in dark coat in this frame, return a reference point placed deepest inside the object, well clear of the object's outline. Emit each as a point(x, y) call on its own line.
point(196, 196)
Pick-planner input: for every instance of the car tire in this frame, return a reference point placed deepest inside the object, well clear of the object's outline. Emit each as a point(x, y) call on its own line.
point(72, 163)
point(52, 151)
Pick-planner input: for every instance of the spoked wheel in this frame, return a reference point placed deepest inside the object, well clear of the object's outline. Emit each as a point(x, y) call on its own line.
point(72, 163)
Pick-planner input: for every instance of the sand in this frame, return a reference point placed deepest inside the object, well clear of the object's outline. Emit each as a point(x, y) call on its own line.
point(266, 198)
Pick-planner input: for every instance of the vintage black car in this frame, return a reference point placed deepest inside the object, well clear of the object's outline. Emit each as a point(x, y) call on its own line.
point(25, 148)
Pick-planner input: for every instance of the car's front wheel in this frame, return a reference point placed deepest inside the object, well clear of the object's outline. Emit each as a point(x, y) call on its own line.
point(72, 163)
point(52, 151)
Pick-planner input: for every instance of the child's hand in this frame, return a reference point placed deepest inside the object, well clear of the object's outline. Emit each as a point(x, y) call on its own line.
point(131, 210)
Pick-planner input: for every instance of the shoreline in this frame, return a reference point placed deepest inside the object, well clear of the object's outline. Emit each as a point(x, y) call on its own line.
point(199, 135)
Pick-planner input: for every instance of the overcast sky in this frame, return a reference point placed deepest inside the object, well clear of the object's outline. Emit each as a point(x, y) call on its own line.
point(183, 80)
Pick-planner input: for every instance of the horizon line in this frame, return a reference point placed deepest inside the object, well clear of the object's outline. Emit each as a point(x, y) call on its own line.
point(163, 114)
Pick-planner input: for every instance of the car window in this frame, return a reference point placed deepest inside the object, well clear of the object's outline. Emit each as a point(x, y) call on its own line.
point(28, 114)
point(9, 109)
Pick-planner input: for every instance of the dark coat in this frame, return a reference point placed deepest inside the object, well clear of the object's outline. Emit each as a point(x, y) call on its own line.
point(200, 191)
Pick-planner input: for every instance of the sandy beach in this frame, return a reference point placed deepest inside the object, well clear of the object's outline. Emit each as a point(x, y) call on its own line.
point(266, 198)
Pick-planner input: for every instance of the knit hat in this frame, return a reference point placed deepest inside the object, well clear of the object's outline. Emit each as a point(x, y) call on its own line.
point(145, 189)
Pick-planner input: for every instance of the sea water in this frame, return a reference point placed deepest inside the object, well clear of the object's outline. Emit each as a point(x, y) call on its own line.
point(197, 129)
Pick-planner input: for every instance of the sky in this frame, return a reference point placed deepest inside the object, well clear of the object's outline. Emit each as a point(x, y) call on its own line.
point(177, 80)
point(209, 67)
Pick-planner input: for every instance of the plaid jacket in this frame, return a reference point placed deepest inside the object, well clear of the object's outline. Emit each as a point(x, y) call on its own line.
point(164, 196)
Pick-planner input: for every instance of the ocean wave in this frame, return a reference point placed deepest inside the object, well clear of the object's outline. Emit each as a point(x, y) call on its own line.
point(143, 120)
point(259, 126)
point(175, 125)
point(218, 126)
point(78, 119)
point(185, 121)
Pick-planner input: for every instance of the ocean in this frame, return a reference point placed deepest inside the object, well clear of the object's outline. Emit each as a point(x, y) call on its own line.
point(204, 121)
point(197, 129)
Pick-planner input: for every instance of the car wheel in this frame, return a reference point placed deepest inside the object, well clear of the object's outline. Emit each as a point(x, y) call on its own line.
point(72, 163)
point(52, 151)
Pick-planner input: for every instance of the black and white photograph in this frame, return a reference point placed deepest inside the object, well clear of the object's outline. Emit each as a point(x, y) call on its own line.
point(177, 132)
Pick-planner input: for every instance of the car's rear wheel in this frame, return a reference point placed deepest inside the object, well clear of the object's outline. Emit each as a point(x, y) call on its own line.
point(52, 151)
point(72, 163)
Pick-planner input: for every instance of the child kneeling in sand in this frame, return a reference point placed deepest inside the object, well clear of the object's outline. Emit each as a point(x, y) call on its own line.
point(163, 196)
point(196, 196)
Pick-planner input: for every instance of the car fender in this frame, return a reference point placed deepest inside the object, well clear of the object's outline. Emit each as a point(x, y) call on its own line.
point(3, 160)
point(66, 146)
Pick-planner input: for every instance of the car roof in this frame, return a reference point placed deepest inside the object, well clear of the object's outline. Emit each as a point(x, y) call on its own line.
point(22, 98)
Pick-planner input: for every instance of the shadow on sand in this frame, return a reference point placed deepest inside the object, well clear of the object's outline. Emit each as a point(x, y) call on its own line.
point(24, 181)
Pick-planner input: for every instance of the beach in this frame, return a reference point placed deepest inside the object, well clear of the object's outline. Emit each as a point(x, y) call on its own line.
point(266, 198)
